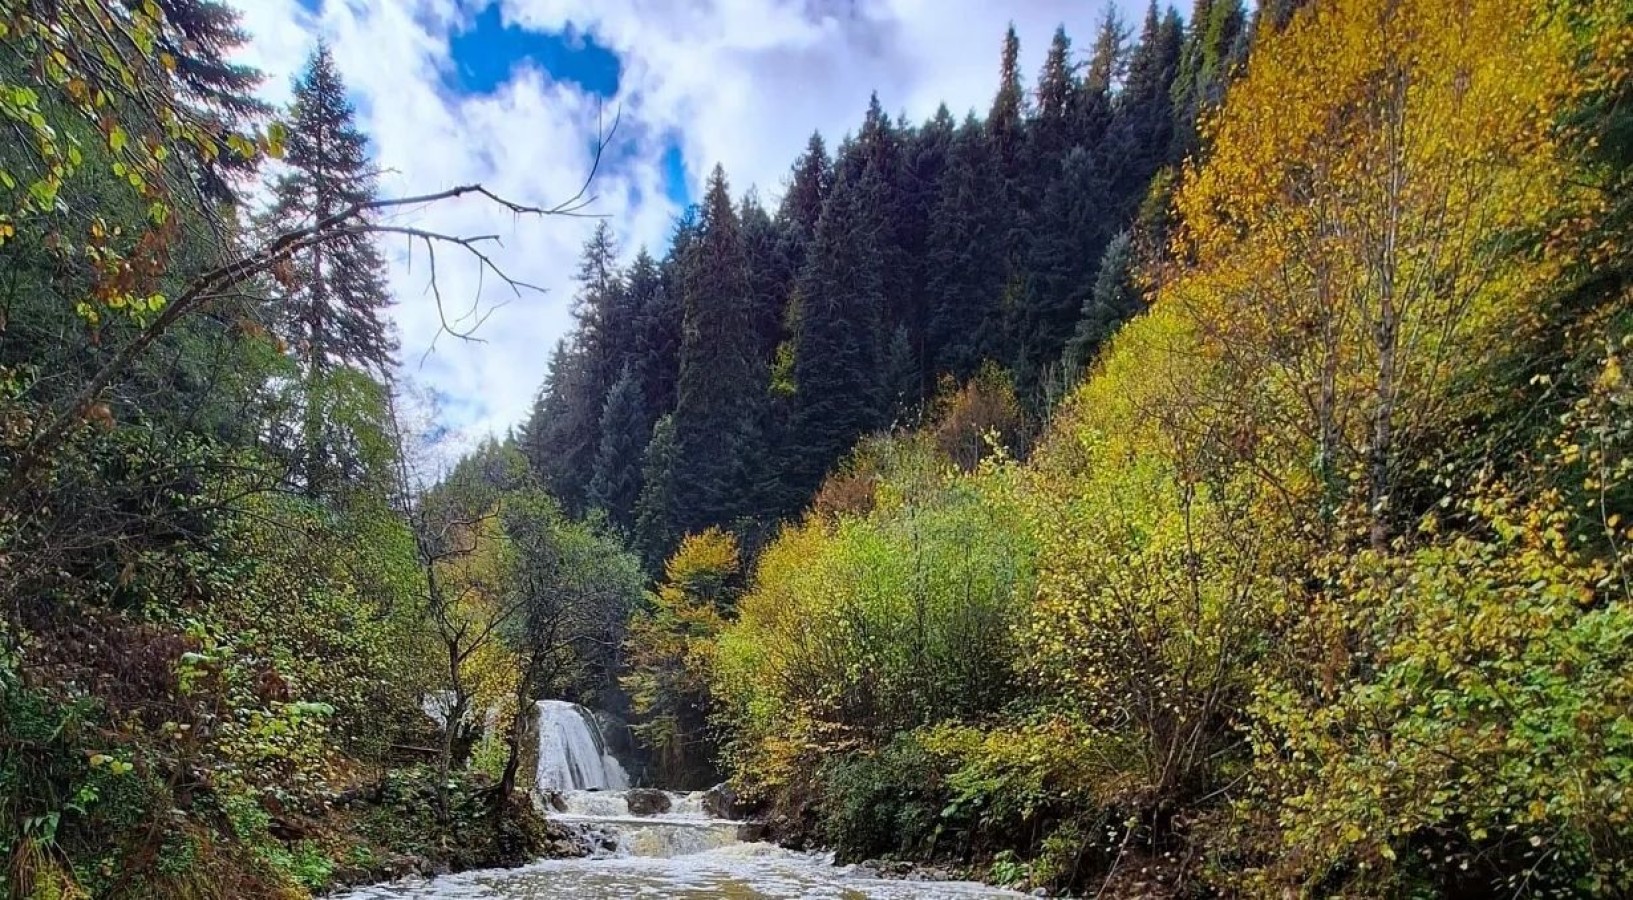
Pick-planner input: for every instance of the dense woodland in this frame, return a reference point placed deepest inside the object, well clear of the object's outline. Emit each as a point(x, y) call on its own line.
point(1206, 473)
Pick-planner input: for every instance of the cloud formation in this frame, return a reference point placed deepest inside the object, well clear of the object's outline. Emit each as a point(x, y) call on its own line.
point(738, 82)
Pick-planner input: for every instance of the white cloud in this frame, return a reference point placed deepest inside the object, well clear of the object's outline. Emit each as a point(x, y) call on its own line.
point(739, 82)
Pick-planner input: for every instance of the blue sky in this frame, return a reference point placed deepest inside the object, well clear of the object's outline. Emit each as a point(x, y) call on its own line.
point(508, 93)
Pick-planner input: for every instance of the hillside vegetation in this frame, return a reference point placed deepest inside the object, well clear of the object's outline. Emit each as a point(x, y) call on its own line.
point(1206, 474)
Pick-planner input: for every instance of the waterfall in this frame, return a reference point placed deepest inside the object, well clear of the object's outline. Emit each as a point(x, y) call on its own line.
point(572, 754)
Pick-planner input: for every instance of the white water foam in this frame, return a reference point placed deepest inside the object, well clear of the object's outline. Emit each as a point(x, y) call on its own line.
point(572, 754)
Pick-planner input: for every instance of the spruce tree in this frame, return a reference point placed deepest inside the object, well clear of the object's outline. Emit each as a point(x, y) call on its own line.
point(1139, 142)
point(769, 273)
point(604, 313)
point(657, 531)
point(1074, 226)
point(723, 378)
point(838, 351)
point(656, 335)
point(336, 297)
point(334, 294)
point(878, 147)
point(1215, 43)
point(1005, 124)
point(562, 436)
point(811, 178)
point(1092, 104)
point(1114, 299)
point(616, 485)
point(966, 262)
point(903, 379)
point(201, 37)
point(1053, 126)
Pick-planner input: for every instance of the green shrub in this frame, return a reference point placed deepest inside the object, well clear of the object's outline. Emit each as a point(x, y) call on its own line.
point(884, 803)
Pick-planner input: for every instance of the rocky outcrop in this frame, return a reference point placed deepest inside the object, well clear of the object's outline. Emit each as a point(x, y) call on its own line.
point(647, 802)
point(721, 802)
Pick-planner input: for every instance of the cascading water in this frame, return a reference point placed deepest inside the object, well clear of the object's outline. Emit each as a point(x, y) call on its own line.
point(682, 829)
point(668, 846)
point(572, 753)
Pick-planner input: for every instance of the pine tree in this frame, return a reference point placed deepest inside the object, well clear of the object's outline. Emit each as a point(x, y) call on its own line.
point(334, 294)
point(723, 378)
point(616, 485)
point(838, 352)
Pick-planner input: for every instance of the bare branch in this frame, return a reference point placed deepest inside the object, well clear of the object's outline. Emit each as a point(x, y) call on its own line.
point(222, 280)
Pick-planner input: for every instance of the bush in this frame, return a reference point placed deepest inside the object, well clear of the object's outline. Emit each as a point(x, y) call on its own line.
point(883, 803)
point(861, 627)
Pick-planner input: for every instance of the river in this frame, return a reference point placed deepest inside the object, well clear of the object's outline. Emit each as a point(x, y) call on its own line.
point(668, 846)
point(735, 872)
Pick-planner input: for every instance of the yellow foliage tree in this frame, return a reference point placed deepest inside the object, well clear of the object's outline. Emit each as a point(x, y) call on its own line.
point(672, 650)
point(1341, 247)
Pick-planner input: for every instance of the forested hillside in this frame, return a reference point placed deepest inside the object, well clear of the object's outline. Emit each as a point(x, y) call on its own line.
point(1205, 474)
point(717, 385)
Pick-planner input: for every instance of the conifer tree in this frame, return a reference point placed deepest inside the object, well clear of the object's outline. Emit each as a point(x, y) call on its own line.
point(838, 353)
point(903, 378)
point(336, 298)
point(1139, 140)
point(562, 436)
point(1114, 299)
point(604, 313)
point(1091, 109)
point(616, 485)
point(1006, 123)
point(924, 167)
point(723, 378)
point(769, 273)
point(878, 147)
point(201, 37)
point(1073, 228)
point(1215, 42)
point(656, 333)
point(656, 515)
point(965, 254)
point(334, 294)
point(1053, 126)
point(811, 177)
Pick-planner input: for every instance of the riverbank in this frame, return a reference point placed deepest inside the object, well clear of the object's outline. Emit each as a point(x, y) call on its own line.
point(389, 830)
